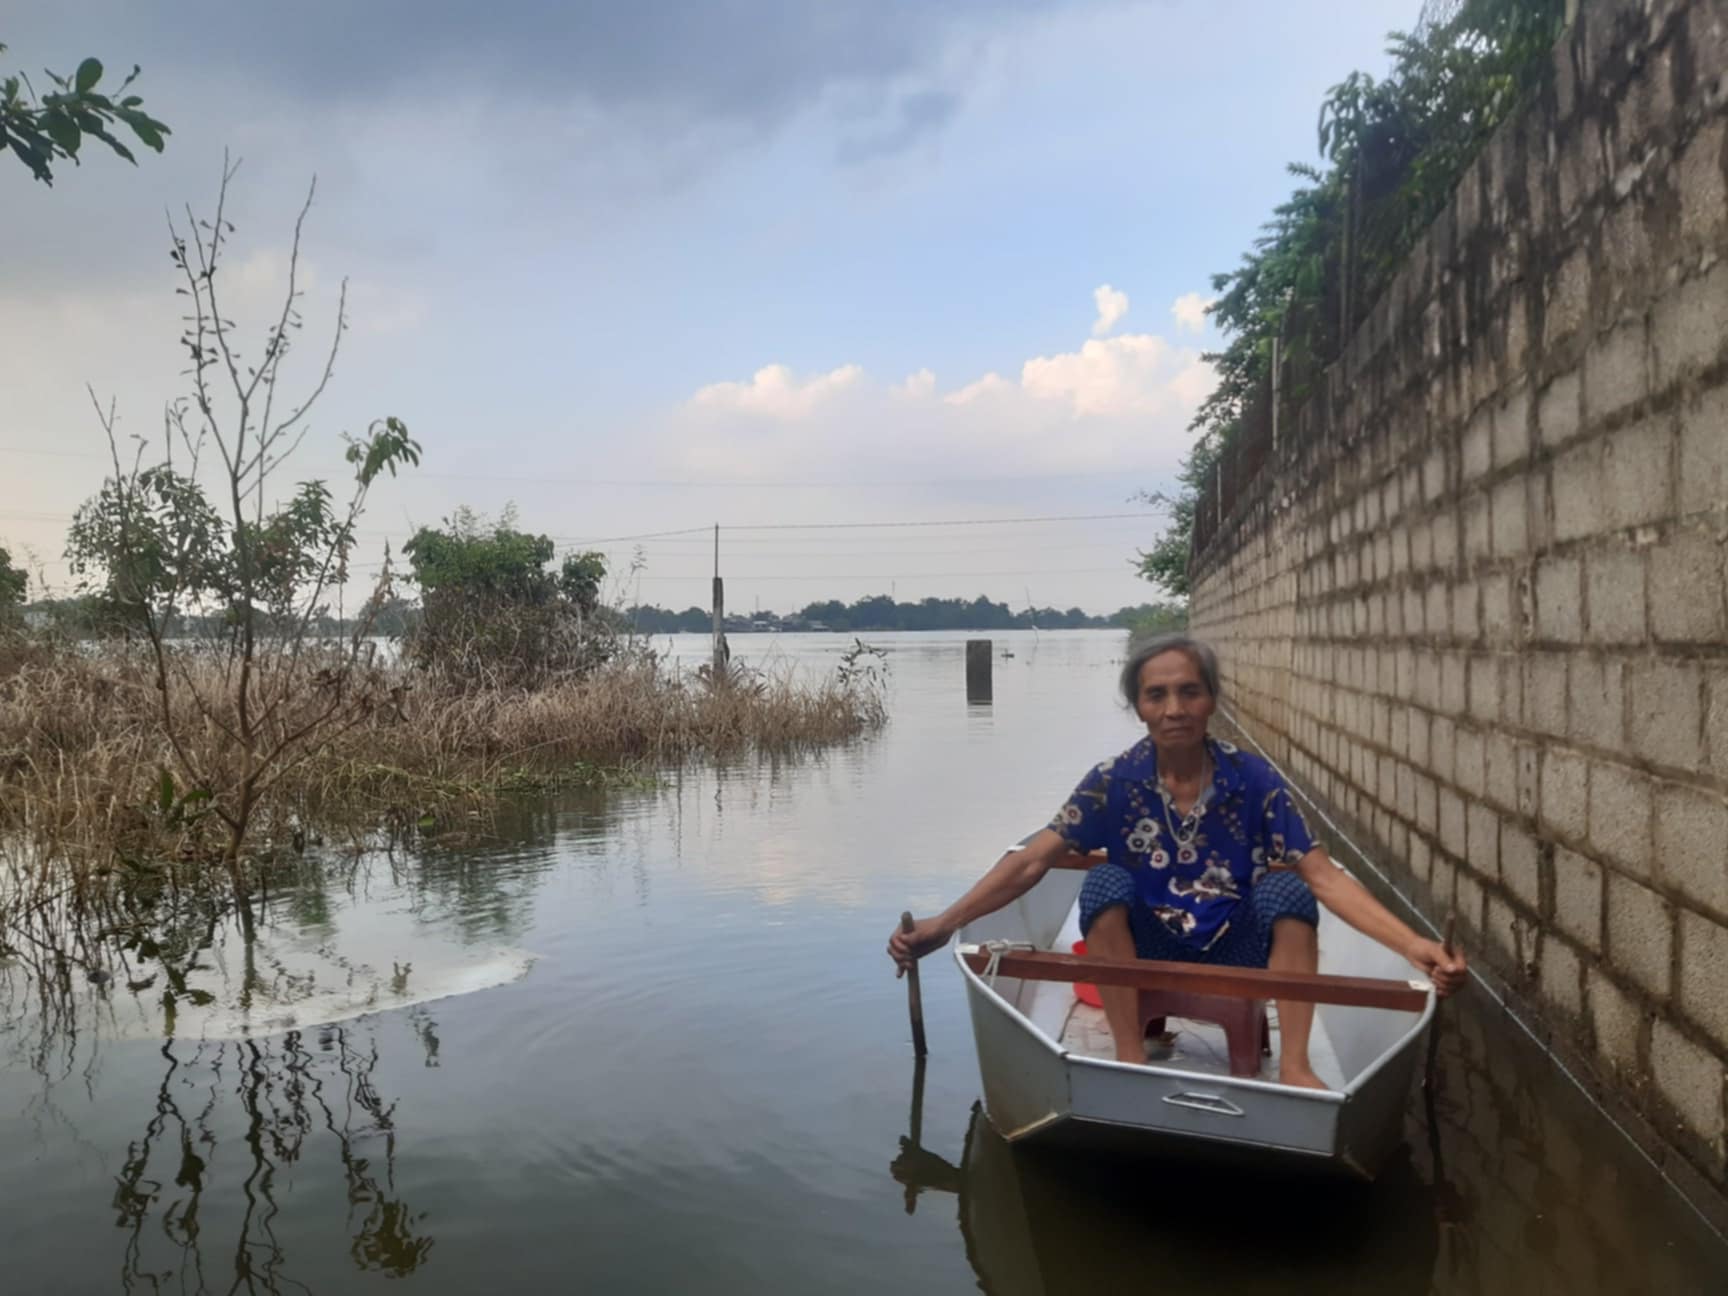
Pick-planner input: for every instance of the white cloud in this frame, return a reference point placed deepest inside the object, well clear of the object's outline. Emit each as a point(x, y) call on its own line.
point(1112, 305)
point(991, 384)
point(917, 386)
point(1190, 311)
point(775, 392)
point(1118, 403)
point(1129, 374)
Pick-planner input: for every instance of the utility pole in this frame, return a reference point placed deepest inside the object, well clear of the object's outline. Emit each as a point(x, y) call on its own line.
point(719, 613)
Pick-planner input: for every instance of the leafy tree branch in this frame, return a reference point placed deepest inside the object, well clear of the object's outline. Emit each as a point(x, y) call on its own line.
point(52, 130)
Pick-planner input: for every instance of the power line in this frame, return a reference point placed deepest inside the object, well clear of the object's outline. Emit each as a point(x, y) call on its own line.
point(681, 483)
point(842, 554)
point(874, 543)
point(646, 535)
point(830, 577)
point(53, 454)
point(921, 525)
point(736, 483)
point(1141, 516)
point(1144, 515)
point(1023, 521)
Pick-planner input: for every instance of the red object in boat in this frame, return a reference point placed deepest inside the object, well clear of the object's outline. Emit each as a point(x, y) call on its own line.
point(1085, 992)
point(1244, 1020)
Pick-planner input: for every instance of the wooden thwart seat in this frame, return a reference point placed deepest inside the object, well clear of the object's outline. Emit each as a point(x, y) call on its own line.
point(1201, 978)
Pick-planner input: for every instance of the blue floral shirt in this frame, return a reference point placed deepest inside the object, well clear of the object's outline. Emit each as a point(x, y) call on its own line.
point(1192, 871)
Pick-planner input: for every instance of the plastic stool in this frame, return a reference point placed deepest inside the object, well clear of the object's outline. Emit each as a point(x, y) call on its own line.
point(1246, 1032)
point(1243, 1020)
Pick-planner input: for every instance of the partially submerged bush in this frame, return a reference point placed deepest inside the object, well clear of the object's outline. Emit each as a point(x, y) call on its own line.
point(494, 615)
point(83, 753)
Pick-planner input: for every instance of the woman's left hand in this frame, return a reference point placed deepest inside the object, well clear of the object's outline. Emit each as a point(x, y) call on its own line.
point(1447, 971)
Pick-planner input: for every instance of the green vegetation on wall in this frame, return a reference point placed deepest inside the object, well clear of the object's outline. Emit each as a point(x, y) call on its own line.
point(1393, 150)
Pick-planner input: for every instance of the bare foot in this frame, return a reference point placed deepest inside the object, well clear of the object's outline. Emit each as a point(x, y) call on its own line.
point(1303, 1077)
point(1132, 1052)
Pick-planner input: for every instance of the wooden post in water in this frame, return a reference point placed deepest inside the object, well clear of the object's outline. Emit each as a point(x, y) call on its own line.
point(978, 665)
point(720, 674)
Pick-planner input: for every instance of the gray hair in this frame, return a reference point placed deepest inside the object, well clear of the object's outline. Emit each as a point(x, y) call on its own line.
point(1199, 652)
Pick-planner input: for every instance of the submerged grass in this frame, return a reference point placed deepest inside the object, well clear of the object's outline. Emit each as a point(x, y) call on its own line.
point(82, 752)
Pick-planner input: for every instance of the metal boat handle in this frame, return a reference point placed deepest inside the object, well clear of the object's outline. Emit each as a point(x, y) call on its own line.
point(1204, 1102)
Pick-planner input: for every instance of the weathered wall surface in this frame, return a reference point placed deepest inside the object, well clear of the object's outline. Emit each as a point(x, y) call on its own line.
point(1476, 599)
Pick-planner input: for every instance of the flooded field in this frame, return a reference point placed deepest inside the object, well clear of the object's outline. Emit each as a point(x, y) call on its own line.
point(647, 1041)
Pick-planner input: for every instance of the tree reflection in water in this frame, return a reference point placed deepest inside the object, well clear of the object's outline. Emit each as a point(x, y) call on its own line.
point(287, 1092)
point(236, 1123)
point(270, 1072)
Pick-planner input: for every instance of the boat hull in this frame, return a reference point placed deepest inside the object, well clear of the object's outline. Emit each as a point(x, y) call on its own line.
point(1038, 1090)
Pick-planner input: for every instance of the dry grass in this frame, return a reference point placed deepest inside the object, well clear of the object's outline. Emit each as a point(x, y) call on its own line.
point(82, 751)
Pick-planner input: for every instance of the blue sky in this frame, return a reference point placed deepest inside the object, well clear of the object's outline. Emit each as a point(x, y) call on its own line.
point(581, 237)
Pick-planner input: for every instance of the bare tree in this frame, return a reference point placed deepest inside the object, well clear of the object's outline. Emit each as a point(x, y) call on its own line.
point(270, 686)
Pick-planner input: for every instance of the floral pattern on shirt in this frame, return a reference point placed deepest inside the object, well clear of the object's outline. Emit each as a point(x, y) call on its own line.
point(1190, 871)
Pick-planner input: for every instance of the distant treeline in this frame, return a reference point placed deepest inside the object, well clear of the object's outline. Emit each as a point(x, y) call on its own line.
point(880, 612)
point(87, 616)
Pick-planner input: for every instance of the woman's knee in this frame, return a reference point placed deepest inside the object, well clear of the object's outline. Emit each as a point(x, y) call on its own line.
point(1106, 886)
point(1283, 894)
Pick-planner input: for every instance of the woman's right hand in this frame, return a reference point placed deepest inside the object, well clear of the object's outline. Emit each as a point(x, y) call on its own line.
point(906, 948)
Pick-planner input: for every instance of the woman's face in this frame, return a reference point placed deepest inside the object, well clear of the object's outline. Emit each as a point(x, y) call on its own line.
point(1174, 701)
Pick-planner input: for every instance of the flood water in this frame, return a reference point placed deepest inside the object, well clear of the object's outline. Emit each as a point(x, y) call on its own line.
point(648, 1041)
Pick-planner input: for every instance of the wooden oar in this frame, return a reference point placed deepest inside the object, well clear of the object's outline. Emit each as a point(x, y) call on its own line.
point(1434, 1026)
point(914, 996)
point(1448, 1201)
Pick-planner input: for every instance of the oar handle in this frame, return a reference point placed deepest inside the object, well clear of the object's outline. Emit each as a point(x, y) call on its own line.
point(914, 995)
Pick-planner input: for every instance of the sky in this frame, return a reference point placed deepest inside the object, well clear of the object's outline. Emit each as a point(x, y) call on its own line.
point(787, 267)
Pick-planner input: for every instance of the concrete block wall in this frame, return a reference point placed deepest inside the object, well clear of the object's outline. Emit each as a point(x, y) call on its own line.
point(1477, 600)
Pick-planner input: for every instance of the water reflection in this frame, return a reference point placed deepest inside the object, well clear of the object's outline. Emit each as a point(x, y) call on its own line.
point(331, 938)
point(916, 1168)
point(1039, 1224)
point(290, 1096)
point(267, 1084)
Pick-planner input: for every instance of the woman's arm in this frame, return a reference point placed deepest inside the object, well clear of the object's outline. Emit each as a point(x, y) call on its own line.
point(1356, 905)
point(1009, 878)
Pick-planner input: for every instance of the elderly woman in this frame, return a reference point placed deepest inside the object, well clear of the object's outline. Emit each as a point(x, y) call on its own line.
point(1209, 860)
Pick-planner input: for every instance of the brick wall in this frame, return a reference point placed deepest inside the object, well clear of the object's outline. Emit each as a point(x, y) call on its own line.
point(1476, 598)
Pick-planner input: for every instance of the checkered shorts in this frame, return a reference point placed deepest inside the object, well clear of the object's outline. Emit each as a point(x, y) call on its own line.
point(1247, 942)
